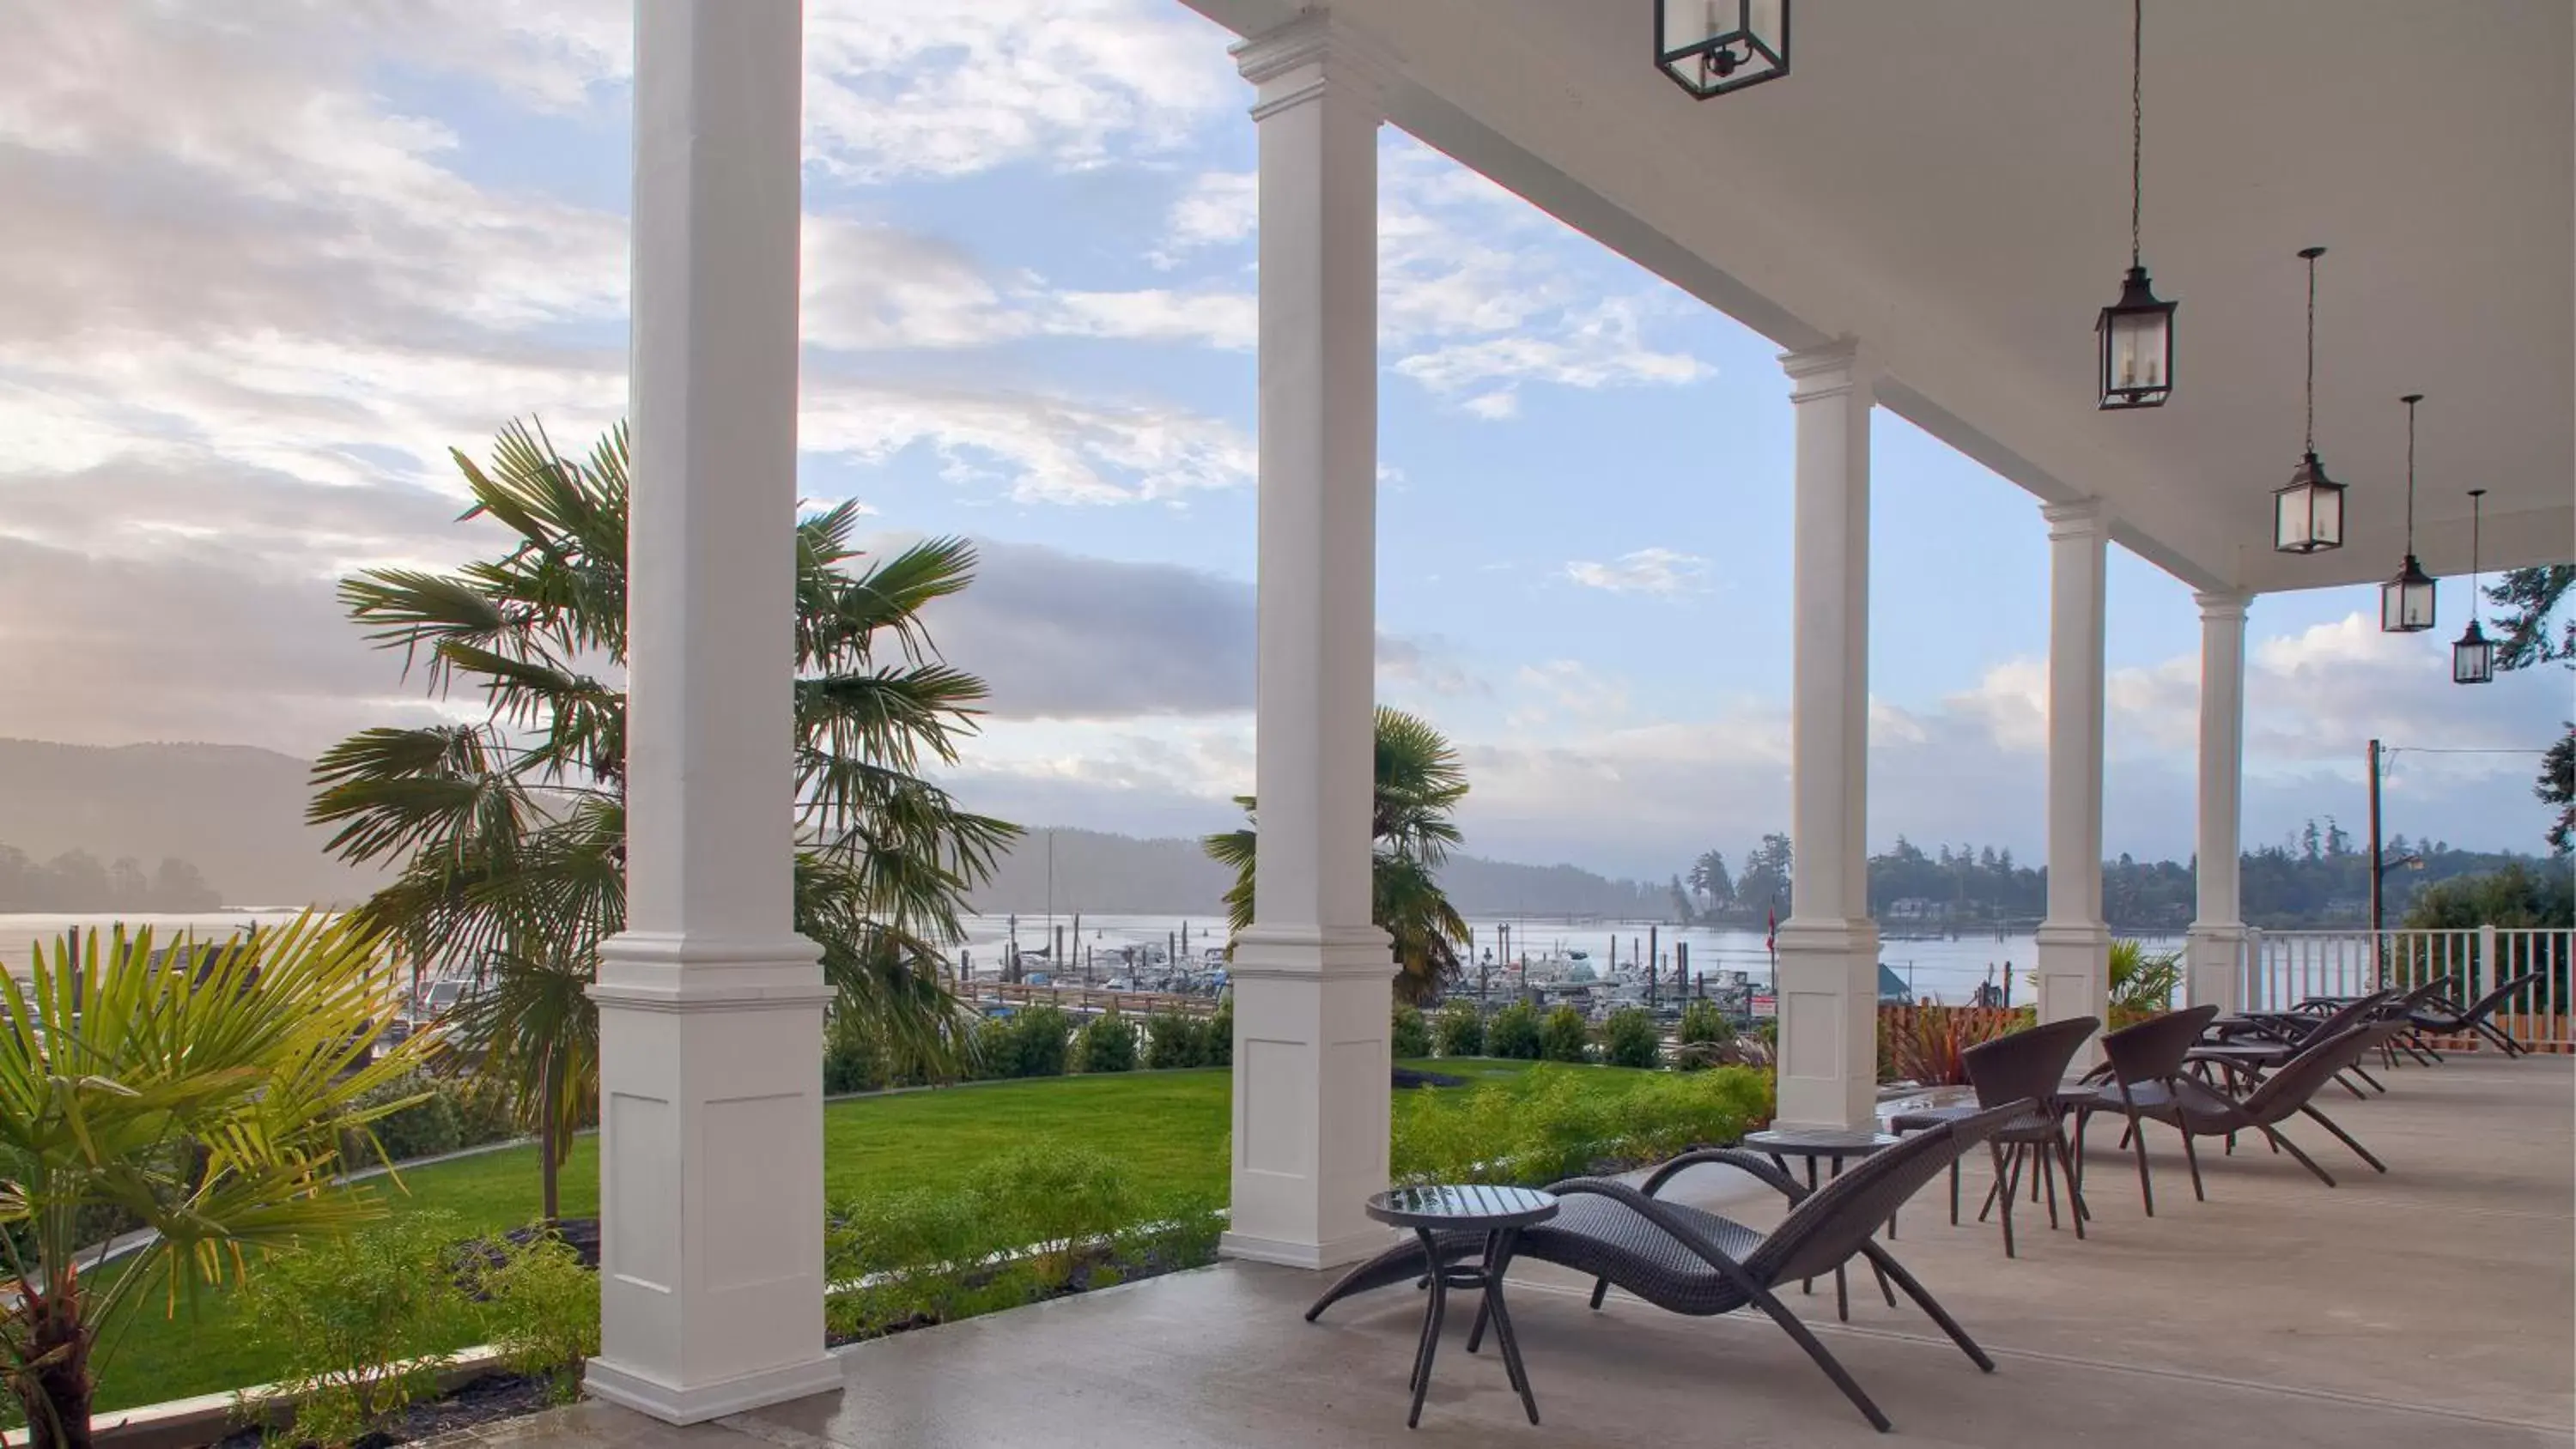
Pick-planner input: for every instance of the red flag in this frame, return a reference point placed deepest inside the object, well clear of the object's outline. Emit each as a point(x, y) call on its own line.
point(1771, 931)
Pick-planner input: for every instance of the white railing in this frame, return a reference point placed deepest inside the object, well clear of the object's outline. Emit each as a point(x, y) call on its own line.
point(2284, 968)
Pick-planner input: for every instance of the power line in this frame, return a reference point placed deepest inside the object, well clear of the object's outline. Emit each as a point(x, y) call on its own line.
point(2444, 750)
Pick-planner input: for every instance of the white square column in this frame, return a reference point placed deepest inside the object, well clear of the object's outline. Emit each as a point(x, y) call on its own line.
point(2074, 945)
point(710, 1005)
point(1313, 975)
point(1828, 973)
point(2217, 940)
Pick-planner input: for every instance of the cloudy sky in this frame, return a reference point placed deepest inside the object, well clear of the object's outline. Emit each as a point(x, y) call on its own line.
point(267, 262)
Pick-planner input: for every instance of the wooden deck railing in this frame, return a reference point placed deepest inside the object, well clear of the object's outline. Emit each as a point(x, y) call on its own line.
point(1085, 999)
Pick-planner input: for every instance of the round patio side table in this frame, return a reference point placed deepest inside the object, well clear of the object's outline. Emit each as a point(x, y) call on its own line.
point(1835, 1146)
point(1499, 1213)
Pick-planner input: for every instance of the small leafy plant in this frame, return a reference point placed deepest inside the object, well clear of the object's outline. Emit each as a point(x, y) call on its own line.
point(1408, 1034)
point(542, 1312)
point(1173, 1039)
point(1106, 1043)
point(1513, 1033)
point(1461, 1032)
point(346, 1316)
point(1565, 1037)
point(1629, 1039)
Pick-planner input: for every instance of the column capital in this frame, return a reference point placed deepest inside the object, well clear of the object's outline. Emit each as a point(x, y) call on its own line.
point(2224, 604)
point(2077, 518)
point(1831, 369)
point(1314, 53)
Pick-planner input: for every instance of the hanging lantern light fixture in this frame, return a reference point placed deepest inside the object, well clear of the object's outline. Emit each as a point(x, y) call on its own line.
point(2136, 332)
point(1711, 47)
point(2307, 512)
point(2473, 657)
point(2406, 601)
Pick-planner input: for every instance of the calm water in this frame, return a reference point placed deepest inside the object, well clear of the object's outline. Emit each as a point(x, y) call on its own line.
point(1943, 970)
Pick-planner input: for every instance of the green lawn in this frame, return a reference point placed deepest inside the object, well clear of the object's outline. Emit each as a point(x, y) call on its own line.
point(1170, 1127)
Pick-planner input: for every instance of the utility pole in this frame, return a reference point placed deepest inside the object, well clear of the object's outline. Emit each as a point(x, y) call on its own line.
point(2375, 868)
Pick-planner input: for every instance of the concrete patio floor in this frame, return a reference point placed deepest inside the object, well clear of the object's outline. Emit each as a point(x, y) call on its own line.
point(2434, 1306)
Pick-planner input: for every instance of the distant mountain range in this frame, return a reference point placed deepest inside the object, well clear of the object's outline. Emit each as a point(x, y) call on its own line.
point(237, 814)
point(1121, 875)
point(234, 812)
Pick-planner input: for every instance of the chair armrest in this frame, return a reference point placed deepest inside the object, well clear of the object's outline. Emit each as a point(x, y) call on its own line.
point(1751, 1164)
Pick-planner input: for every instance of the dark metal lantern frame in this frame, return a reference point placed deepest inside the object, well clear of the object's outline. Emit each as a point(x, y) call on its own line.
point(1734, 43)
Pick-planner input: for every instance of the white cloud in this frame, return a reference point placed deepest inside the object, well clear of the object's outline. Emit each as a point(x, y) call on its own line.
point(1219, 208)
point(1037, 447)
point(1214, 319)
point(1656, 570)
point(933, 87)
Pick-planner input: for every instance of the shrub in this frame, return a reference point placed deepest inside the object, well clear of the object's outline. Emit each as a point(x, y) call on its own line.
point(914, 1256)
point(1565, 1037)
point(425, 1128)
point(1555, 1121)
point(1173, 1039)
point(1053, 1199)
point(1461, 1032)
point(347, 1318)
point(1408, 1034)
point(483, 1112)
point(1703, 1022)
point(1179, 1232)
point(1629, 1039)
point(1513, 1033)
point(1929, 1044)
point(849, 1058)
point(1033, 1041)
point(1220, 1034)
point(1106, 1043)
point(543, 1313)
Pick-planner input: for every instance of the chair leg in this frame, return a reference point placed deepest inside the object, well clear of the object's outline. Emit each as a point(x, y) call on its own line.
point(2046, 1175)
point(2423, 1046)
point(2346, 1138)
point(1954, 1192)
point(2511, 1047)
point(2283, 1143)
point(1600, 1290)
point(1384, 1270)
point(2146, 1183)
point(2191, 1159)
point(1889, 1268)
point(2074, 1189)
point(2010, 1187)
point(1824, 1360)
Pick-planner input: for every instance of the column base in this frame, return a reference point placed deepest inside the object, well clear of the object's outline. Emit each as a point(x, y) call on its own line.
point(698, 1403)
point(2074, 970)
point(2214, 970)
point(1311, 1083)
point(1827, 987)
point(710, 1173)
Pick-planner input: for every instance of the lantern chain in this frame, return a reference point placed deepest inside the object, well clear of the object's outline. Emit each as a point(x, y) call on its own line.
point(2137, 120)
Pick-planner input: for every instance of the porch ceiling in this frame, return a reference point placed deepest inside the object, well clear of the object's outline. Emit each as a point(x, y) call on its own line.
point(1949, 183)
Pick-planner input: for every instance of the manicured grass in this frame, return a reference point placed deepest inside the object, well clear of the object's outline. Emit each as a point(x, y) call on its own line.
point(1168, 1127)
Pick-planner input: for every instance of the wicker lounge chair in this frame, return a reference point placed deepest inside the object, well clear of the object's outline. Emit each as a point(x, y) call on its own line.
point(2201, 1110)
point(1685, 1260)
point(2450, 1019)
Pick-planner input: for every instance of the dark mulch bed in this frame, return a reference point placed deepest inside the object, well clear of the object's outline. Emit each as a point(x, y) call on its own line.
point(1406, 1079)
point(494, 1396)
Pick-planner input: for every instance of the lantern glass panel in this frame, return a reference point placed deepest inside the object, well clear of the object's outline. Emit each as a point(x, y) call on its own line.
point(2473, 658)
point(2406, 601)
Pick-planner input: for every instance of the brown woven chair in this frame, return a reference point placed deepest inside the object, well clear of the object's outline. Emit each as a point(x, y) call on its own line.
point(2030, 1066)
point(1685, 1260)
point(2448, 1019)
point(2201, 1110)
point(2144, 1064)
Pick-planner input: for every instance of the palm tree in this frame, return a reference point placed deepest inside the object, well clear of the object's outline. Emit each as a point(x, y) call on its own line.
point(510, 831)
point(1420, 781)
point(205, 1093)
